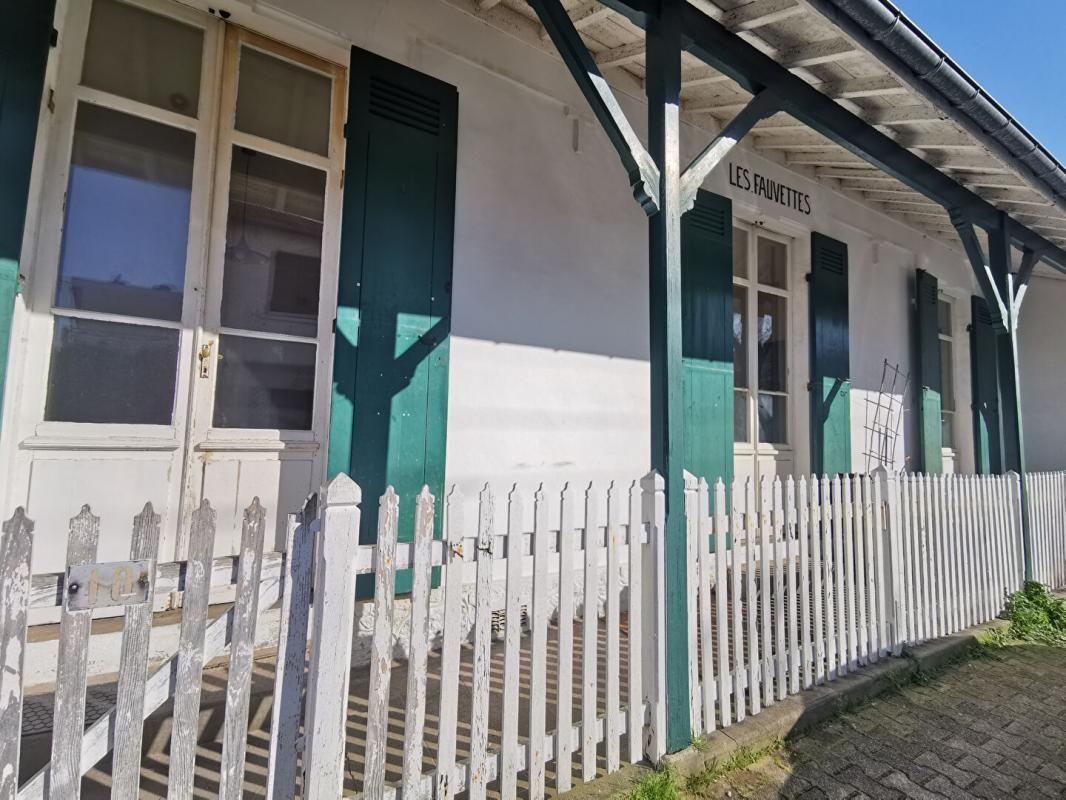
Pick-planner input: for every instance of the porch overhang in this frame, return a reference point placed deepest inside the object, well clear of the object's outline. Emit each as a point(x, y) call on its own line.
point(755, 71)
point(775, 96)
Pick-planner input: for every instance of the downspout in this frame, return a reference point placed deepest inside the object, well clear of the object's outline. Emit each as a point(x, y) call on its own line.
point(884, 31)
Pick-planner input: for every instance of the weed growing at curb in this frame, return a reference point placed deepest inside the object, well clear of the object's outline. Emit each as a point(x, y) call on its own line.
point(663, 783)
point(742, 758)
point(659, 784)
point(1036, 616)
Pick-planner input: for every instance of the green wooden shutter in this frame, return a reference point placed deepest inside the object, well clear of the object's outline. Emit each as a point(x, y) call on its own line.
point(388, 424)
point(830, 368)
point(707, 337)
point(930, 431)
point(985, 389)
point(24, 44)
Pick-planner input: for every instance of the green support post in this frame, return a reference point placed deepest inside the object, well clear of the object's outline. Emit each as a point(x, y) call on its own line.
point(1010, 404)
point(663, 81)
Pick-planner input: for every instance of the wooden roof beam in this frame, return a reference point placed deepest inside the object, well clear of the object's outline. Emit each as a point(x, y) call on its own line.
point(864, 184)
point(879, 86)
point(758, 13)
point(1006, 182)
point(584, 16)
point(915, 200)
point(840, 90)
point(640, 167)
point(921, 140)
point(864, 173)
point(840, 158)
point(620, 56)
point(916, 210)
point(815, 53)
point(903, 115)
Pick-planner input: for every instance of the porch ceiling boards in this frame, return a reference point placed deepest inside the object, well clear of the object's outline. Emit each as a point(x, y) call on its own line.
point(813, 48)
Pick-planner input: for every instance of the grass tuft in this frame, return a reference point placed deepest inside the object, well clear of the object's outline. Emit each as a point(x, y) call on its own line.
point(742, 758)
point(660, 784)
point(1036, 616)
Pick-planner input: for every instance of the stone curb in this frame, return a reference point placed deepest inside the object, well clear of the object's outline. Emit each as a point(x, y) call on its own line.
point(798, 713)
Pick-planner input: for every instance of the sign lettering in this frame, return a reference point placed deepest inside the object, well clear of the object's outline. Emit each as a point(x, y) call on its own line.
point(749, 180)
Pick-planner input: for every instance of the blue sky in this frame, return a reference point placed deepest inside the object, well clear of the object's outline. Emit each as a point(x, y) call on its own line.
point(1015, 49)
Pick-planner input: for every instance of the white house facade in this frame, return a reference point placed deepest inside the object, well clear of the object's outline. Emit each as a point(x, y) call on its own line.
point(208, 215)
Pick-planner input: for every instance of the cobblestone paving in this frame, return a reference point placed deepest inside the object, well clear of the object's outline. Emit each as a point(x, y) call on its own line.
point(993, 727)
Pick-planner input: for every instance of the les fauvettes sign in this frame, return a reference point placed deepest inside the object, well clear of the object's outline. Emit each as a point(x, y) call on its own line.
point(748, 180)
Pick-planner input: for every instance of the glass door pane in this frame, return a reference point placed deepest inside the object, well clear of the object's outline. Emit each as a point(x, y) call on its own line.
point(741, 426)
point(146, 57)
point(271, 281)
point(125, 235)
point(283, 102)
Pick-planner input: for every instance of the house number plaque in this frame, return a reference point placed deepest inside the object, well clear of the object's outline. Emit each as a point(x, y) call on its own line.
point(117, 583)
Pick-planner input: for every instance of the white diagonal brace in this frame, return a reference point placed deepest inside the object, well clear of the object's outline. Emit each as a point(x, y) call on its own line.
point(981, 268)
point(761, 106)
point(1030, 259)
point(641, 169)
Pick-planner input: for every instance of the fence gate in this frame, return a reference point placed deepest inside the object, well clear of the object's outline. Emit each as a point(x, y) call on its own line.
point(88, 585)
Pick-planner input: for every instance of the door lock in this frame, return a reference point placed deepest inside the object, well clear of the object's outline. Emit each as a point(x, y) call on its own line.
point(205, 360)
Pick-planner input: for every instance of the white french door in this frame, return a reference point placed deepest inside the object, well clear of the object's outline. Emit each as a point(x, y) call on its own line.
point(763, 409)
point(260, 391)
point(183, 277)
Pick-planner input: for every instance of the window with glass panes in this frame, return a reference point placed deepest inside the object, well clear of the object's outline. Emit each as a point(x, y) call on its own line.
point(156, 246)
point(760, 337)
point(947, 372)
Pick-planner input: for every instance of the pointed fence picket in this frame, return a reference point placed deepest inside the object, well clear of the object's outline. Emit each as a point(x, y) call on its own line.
point(793, 583)
point(88, 585)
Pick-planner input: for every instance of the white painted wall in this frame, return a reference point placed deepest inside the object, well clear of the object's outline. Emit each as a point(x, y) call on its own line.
point(1043, 372)
point(548, 362)
point(549, 370)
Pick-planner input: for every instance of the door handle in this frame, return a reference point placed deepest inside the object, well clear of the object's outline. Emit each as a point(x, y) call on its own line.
point(205, 359)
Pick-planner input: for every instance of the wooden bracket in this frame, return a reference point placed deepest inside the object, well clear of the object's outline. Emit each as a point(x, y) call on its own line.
point(763, 105)
point(639, 165)
point(981, 268)
point(1030, 258)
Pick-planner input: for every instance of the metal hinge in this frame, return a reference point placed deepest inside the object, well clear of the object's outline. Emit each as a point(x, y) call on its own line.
point(53, 37)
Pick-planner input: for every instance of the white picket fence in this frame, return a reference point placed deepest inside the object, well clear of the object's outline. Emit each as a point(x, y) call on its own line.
point(791, 584)
point(560, 574)
point(1047, 503)
point(799, 583)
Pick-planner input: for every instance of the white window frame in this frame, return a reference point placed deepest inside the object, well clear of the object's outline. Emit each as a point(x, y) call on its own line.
point(41, 283)
point(753, 288)
point(211, 437)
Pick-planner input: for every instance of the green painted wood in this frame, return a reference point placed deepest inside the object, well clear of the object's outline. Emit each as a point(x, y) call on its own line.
point(390, 387)
point(25, 39)
point(663, 86)
point(829, 357)
point(930, 431)
point(984, 382)
point(707, 337)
